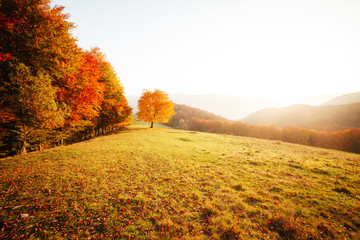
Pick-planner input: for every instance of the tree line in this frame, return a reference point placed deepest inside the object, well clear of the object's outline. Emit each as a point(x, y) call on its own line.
point(51, 90)
point(187, 118)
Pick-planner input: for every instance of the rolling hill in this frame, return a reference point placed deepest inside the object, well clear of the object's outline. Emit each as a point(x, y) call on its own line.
point(326, 118)
point(171, 184)
point(230, 107)
point(185, 114)
point(344, 99)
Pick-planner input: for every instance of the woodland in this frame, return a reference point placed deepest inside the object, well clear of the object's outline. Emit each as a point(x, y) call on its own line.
point(52, 91)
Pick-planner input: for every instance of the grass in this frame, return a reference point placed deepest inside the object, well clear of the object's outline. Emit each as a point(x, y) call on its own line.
point(170, 184)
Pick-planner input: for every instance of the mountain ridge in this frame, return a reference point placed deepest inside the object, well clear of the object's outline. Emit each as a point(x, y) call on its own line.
point(326, 118)
point(344, 99)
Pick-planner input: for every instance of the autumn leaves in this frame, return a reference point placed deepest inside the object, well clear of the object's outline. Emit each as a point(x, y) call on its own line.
point(51, 90)
point(155, 107)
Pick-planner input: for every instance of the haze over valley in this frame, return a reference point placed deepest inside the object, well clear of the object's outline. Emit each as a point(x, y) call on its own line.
point(238, 107)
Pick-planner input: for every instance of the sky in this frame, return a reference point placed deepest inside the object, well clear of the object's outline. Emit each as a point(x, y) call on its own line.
point(281, 50)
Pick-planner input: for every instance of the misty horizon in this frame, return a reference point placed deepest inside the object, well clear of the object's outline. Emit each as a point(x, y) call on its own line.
point(223, 105)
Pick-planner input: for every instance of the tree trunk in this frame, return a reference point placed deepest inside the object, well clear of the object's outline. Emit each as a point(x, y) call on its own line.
point(23, 148)
point(152, 125)
point(24, 136)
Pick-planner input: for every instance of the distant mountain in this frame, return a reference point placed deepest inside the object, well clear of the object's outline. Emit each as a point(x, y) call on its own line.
point(229, 107)
point(344, 99)
point(132, 100)
point(315, 100)
point(327, 118)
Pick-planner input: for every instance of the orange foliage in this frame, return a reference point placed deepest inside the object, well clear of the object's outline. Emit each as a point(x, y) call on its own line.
point(155, 107)
point(47, 82)
point(114, 108)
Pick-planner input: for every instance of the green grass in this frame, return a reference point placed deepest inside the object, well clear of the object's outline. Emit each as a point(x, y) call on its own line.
point(170, 184)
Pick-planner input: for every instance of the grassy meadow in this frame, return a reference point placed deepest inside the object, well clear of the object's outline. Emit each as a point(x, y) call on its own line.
point(157, 183)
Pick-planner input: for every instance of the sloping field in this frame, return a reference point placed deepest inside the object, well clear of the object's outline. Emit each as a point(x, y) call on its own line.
point(171, 184)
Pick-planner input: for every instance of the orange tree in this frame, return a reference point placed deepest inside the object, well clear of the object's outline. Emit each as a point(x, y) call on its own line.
point(155, 107)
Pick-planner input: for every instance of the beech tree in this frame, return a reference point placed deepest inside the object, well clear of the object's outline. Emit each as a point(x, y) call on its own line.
point(155, 107)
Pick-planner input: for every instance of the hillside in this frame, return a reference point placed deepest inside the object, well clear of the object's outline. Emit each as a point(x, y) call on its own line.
point(344, 99)
point(184, 115)
point(326, 118)
point(231, 107)
point(171, 184)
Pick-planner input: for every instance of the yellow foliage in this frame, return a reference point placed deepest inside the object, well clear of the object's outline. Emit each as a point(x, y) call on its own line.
point(155, 107)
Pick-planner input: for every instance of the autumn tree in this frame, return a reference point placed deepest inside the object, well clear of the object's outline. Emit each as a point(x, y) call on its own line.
point(33, 103)
point(81, 91)
point(155, 107)
point(48, 84)
point(36, 51)
point(115, 110)
point(38, 36)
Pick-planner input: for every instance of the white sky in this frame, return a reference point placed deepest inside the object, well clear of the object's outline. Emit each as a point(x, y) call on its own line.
point(281, 50)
